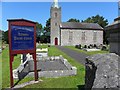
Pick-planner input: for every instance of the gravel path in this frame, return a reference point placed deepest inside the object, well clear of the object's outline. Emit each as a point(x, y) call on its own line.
point(80, 57)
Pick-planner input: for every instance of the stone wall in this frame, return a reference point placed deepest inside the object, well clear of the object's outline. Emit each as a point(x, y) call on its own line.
point(102, 71)
point(77, 37)
point(45, 68)
point(55, 23)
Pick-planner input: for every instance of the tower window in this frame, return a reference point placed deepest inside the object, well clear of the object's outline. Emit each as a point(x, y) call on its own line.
point(55, 14)
point(55, 24)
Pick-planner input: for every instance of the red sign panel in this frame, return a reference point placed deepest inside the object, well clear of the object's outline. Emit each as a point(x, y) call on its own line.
point(22, 40)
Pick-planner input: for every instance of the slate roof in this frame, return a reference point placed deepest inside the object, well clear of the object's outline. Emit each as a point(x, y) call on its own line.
point(77, 25)
point(115, 26)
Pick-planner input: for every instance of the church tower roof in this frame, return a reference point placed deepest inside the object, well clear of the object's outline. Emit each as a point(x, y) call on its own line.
point(55, 4)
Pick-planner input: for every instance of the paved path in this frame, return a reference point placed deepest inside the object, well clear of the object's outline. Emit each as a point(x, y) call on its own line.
point(80, 57)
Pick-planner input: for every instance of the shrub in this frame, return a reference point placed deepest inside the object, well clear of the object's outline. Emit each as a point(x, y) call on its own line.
point(85, 46)
point(104, 47)
point(76, 46)
point(95, 45)
point(79, 46)
point(48, 45)
point(89, 47)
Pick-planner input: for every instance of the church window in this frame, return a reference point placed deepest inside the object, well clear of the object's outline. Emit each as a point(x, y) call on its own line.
point(94, 36)
point(55, 24)
point(70, 36)
point(55, 14)
point(83, 36)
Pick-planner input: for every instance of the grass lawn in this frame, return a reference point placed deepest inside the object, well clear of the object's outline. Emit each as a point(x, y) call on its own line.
point(88, 53)
point(61, 82)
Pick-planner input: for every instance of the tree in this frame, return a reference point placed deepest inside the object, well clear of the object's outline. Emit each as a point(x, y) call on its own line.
point(5, 37)
point(47, 31)
point(39, 31)
point(73, 20)
point(38, 25)
point(97, 19)
point(47, 27)
point(101, 21)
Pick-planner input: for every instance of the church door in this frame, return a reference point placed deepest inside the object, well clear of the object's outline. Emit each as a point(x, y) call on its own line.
point(56, 41)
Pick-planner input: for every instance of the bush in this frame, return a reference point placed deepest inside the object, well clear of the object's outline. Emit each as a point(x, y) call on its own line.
point(85, 46)
point(89, 47)
point(48, 45)
point(95, 45)
point(79, 46)
point(76, 46)
point(104, 47)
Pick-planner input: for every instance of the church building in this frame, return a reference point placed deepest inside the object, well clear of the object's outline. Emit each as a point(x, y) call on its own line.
point(72, 33)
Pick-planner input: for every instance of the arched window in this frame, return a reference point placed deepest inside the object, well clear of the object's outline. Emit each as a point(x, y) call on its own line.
point(55, 24)
point(94, 36)
point(55, 14)
point(83, 36)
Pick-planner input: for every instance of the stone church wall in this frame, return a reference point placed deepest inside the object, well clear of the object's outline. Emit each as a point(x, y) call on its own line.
point(76, 38)
point(55, 22)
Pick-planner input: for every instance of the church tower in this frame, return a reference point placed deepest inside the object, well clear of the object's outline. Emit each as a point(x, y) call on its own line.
point(55, 14)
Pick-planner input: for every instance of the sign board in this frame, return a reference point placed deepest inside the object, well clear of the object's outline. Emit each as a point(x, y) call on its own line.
point(22, 40)
point(22, 37)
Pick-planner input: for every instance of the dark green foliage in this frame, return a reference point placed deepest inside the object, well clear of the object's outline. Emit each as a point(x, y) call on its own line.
point(47, 30)
point(97, 19)
point(76, 46)
point(73, 20)
point(89, 47)
point(47, 27)
point(5, 37)
point(101, 21)
point(104, 48)
point(85, 46)
point(43, 34)
point(38, 26)
point(95, 45)
point(79, 46)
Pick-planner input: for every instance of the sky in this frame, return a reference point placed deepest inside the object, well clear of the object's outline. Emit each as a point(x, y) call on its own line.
point(40, 11)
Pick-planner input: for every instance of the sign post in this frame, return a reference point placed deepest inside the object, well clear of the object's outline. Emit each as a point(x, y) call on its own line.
point(22, 40)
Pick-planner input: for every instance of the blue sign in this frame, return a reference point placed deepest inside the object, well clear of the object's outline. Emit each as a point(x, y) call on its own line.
point(22, 37)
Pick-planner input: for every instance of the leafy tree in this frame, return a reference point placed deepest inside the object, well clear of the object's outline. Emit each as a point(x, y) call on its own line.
point(38, 25)
point(47, 27)
point(101, 21)
point(47, 31)
point(39, 31)
point(97, 19)
point(73, 20)
point(5, 37)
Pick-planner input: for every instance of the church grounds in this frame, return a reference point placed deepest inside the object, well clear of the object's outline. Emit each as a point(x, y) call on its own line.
point(88, 53)
point(61, 82)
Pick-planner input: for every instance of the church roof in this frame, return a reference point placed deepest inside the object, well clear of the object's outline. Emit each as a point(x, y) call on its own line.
point(77, 25)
